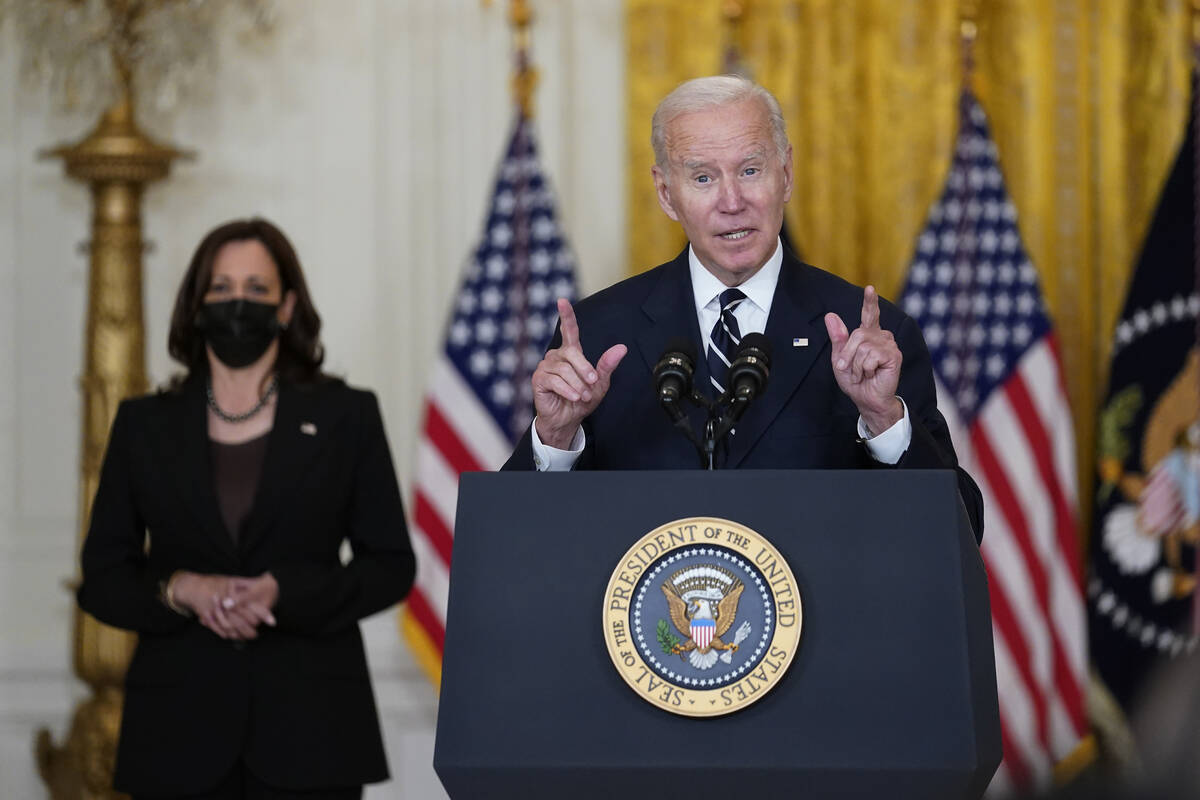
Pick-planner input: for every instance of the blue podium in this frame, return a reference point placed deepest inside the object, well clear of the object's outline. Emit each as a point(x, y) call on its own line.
point(891, 693)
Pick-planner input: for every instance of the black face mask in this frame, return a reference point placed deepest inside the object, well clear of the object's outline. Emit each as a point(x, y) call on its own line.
point(238, 331)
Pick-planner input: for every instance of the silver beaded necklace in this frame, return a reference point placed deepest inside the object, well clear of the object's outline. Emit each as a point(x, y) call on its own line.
point(236, 418)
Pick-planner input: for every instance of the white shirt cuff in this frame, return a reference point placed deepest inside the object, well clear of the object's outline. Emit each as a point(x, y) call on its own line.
point(551, 459)
point(888, 446)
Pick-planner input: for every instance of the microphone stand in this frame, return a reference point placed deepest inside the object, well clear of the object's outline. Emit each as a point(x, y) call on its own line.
point(710, 445)
point(673, 380)
point(716, 427)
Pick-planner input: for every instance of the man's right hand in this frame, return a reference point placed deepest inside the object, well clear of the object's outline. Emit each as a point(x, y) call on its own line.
point(566, 388)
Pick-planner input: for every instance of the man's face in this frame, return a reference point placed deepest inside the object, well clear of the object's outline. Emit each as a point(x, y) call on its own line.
point(725, 184)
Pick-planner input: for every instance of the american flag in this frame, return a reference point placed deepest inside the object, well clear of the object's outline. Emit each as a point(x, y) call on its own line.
point(974, 292)
point(480, 400)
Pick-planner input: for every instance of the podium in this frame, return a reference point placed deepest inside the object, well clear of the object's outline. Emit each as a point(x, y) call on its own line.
point(891, 693)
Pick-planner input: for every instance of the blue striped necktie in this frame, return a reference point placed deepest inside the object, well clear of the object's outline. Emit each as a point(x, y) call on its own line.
point(725, 337)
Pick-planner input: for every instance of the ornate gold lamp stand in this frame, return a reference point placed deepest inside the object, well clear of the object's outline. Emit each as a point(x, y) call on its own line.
point(95, 49)
point(117, 161)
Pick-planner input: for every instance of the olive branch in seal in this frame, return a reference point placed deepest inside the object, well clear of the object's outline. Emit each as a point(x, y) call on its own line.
point(666, 640)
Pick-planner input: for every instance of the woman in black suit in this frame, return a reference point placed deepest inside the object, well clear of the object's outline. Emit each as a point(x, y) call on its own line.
point(215, 535)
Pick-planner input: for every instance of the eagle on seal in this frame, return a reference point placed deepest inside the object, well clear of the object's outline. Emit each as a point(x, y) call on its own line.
point(704, 613)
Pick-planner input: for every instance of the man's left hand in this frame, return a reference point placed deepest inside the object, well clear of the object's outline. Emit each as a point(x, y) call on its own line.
point(866, 365)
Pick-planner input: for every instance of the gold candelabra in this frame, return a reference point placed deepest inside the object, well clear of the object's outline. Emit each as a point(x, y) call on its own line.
point(117, 161)
point(108, 53)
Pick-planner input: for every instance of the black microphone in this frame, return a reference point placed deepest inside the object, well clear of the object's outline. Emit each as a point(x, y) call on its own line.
point(673, 385)
point(749, 370)
point(673, 375)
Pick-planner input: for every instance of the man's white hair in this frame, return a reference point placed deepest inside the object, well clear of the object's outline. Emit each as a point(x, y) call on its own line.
point(700, 94)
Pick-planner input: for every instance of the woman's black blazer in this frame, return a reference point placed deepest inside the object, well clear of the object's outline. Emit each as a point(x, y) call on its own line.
point(296, 703)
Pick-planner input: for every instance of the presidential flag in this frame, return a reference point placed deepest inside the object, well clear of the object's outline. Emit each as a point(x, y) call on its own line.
point(1142, 580)
point(479, 400)
point(974, 292)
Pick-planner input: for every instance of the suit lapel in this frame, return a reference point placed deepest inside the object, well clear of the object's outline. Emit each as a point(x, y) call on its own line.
point(187, 425)
point(671, 310)
point(298, 435)
point(797, 312)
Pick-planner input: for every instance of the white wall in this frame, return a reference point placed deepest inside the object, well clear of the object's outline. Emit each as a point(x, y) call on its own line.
point(369, 131)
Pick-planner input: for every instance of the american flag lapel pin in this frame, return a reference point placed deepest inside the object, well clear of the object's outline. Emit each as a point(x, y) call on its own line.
point(308, 429)
point(799, 342)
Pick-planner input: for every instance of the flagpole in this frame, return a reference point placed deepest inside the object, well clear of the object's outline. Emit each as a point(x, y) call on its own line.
point(1196, 201)
point(1195, 121)
point(732, 61)
point(1086, 751)
point(968, 26)
point(523, 82)
point(479, 401)
point(525, 76)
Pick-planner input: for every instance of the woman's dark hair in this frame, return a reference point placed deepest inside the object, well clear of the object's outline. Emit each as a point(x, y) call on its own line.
point(300, 350)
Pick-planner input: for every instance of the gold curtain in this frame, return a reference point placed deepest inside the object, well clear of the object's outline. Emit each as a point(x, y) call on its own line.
point(1087, 100)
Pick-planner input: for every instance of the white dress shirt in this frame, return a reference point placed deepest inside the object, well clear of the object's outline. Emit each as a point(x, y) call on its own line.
point(751, 315)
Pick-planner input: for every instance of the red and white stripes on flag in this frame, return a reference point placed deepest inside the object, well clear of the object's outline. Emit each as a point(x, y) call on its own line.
point(458, 436)
point(1019, 449)
point(479, 399)
point(975, 294)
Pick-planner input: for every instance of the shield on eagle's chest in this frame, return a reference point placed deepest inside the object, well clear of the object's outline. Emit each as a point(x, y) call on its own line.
point(702, 632)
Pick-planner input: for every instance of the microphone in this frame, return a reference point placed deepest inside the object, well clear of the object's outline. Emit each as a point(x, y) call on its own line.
point(673, 385)
point(673, 375)
point(749, 370)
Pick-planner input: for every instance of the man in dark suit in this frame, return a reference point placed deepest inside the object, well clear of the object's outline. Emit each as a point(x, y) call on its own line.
point(835, 398)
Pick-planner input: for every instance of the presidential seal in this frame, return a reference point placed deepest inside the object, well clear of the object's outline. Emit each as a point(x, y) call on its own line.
point(702, 617)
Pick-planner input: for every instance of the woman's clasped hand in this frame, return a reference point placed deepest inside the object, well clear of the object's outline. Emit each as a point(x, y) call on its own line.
point(231, 607)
